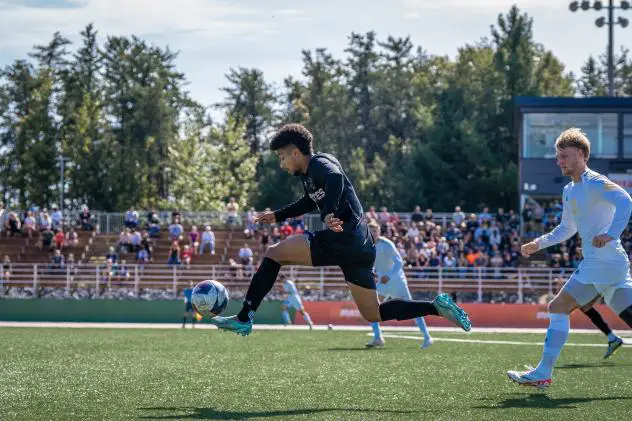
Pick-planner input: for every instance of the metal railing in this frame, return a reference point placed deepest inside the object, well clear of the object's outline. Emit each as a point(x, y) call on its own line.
point(114, 222)
point(173, 279)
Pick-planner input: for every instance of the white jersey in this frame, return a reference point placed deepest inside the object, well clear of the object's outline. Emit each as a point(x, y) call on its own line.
point(293, 298)
point(592, 207)
point(290, 288)
point(389, 262)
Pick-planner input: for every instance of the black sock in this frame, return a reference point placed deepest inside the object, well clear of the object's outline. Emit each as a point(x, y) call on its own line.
point(597, 320)
point(193, 320)
point(184, 320)
point(626, 316)
point(399, 309)
point(260, 285)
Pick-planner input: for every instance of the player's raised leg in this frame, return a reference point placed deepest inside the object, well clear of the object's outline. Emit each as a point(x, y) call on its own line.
point(400, 309)
point(293, 250)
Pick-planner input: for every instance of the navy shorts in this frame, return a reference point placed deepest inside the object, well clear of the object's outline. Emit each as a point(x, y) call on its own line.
point(354, 252)
point(188, 306)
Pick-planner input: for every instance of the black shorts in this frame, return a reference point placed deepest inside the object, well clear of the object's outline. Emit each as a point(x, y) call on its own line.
point(354, 252)
point(188, 307)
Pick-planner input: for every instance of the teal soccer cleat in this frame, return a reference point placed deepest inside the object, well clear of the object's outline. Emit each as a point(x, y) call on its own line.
point(232, 324)
point(613, 346)
point(449, 310)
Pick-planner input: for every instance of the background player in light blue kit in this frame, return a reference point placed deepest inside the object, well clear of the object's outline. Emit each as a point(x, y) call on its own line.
point(292, 300)
point(391, 282)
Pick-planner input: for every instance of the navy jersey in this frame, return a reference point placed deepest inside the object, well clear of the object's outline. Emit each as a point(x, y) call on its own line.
point(327, 188)
point(188, 292)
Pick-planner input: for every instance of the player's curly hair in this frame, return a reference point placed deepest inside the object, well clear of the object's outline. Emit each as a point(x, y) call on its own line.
point(293, 134)
point(574, 138)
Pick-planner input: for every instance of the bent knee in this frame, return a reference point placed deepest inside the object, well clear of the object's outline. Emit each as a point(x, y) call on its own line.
point(273, 252)
point(560, 307)
point(371, 317)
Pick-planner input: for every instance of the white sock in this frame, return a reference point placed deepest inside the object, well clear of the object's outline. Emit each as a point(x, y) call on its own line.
point(377, 333)
point(421, 323)
point(612, 337)
point(286, 317)
point(556, 336)
point(307, 318)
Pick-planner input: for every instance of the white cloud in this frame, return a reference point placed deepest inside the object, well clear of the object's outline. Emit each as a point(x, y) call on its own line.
point(458, 6)
point(201, 20)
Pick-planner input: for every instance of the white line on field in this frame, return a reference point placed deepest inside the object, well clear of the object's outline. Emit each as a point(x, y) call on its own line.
point(280, 327)
point(485, 341)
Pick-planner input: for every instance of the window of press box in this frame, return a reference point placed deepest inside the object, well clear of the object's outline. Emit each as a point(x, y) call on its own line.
point(541, 129)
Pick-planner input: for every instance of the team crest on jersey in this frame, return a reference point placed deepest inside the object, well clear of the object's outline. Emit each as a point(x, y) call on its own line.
point(310, 184)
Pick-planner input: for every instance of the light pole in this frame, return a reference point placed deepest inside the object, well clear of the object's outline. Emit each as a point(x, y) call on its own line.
point(600, 22)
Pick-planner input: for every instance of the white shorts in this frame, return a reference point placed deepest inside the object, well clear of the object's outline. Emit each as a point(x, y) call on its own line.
point(611, 280)
point(394, 289)
point(294, 302)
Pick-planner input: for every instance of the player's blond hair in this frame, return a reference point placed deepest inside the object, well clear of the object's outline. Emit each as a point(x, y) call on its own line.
point(574, 138)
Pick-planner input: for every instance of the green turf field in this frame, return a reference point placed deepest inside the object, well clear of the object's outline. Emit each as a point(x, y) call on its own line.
point(112, 374)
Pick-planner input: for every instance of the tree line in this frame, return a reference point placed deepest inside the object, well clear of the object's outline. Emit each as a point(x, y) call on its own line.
point(410, 127)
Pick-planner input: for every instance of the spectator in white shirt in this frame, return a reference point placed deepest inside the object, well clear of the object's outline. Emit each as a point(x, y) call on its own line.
point(57, 218)
point(458, 216)
point(413, 231)
point(131, 219)
point(208, 238)
point(245, 253)
point(449, 261)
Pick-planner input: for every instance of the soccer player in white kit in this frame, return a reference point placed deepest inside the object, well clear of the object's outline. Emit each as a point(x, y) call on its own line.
point(391, 283)
point(293, 300)
point(599, 210)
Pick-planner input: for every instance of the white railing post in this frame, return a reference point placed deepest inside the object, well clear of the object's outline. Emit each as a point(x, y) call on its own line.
point(480, 285)
point(175, 281)
point(550, 281)
point(98, 280)
point(107, 223)
point(67, 280)
point(440, 286)
point(322, 282)
point(35, 281)
point(520, 294)
point(136, 282)
point(213, 274)
point(440, 279)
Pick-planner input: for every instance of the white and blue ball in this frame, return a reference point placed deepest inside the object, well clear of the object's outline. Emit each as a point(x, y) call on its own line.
point(209, 298)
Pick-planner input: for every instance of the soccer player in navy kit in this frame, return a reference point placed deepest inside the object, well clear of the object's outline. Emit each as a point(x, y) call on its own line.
point(188, 307)
point(346, 242)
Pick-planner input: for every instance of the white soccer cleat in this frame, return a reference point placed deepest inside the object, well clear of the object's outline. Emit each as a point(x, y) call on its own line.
point(376, 343)
point(529, 378)
point(427, 342)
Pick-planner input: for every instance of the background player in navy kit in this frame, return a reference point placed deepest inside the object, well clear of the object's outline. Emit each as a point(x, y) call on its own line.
point(188, 307)
point(346, 243)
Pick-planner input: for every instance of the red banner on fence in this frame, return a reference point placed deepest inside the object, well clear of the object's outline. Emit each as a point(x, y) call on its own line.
point(482, 315)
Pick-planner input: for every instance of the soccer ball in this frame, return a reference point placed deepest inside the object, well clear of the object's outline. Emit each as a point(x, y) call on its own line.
point(209, 298)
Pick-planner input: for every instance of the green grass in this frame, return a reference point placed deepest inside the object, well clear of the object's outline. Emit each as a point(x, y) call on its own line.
point(112, 374)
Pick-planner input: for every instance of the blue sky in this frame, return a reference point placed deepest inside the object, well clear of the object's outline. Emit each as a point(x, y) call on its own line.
point(213, 35)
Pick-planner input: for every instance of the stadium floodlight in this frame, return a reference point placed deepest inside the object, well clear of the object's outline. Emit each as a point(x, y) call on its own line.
point(610, 20)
